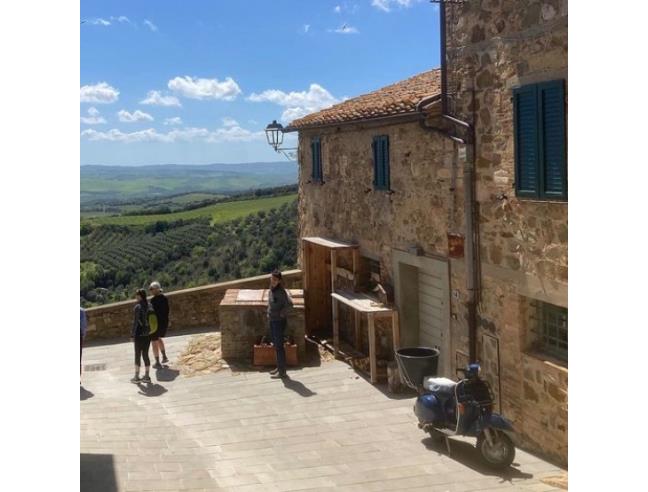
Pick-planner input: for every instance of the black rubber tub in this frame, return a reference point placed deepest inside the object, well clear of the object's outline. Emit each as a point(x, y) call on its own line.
point(415, 363)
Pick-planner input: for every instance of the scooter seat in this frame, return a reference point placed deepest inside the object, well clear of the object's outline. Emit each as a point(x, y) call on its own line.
point(442, 386)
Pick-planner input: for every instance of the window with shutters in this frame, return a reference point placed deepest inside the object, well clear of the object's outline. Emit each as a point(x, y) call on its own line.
point(316, 152)
point(540, 141)
point(380, 147)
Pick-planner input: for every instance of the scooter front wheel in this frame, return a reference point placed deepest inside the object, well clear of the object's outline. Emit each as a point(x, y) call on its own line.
point(501, 453)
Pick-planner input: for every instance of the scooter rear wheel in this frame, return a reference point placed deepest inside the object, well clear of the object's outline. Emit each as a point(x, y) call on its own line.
point(500, 454)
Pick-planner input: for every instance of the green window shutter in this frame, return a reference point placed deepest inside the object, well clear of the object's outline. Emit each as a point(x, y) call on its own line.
point(316, 152)
point(527, 150)
point(385, 161)
point(376, 159)
point(551, 98)
point(380, 146)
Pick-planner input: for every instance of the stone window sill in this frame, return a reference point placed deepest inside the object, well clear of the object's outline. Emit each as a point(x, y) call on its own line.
point(554, 362)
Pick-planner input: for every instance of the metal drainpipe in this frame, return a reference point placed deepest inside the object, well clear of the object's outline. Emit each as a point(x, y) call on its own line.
point(472, 280)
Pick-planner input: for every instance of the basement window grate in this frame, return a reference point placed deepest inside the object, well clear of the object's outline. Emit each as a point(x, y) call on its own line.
point(94, 367)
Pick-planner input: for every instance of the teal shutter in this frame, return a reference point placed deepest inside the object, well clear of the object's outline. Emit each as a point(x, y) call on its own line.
point(551, 97)
point(526, 126)
point(380, 147)
point(316, 152)
point(375, 148)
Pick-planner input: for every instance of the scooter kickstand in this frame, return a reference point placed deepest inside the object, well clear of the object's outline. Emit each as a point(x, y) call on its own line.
point(447, 441)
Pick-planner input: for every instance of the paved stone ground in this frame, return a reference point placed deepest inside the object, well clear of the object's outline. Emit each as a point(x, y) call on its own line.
point(326, 428)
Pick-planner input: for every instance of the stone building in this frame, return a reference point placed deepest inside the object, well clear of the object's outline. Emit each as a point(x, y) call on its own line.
point(393, 169)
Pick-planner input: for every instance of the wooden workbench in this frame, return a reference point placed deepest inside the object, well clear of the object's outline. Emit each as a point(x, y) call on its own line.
point(363, 304)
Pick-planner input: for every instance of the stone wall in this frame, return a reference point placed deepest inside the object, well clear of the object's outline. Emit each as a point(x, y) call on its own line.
point(494, 46)
point(189, 308)
point(346, 207)
point(242, 325)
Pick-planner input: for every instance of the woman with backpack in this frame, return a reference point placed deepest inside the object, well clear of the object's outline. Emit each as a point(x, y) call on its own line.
point(140, 336)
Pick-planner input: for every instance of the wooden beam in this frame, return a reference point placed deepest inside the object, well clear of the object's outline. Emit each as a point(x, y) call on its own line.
point(343, 272)
point(333, 268)
point(396, 330)
point(336, 329)
point(356, 267)
point(358, 321)
point(373, 363)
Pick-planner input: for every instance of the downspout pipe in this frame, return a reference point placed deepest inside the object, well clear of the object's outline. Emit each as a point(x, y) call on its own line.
point(472, 241)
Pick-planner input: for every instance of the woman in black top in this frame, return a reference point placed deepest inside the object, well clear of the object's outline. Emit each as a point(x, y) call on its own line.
point(140, 335)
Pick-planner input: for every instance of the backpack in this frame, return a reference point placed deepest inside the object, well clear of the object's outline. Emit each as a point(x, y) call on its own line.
point(151, 319)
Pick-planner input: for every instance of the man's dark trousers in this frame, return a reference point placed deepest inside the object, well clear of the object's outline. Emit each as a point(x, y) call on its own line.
point(277, 328)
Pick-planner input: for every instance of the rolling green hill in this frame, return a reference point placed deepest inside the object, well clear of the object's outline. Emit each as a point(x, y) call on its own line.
point(218, 213)
point(108, 183)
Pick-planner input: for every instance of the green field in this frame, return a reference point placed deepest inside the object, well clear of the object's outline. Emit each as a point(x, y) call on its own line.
point(220, 212)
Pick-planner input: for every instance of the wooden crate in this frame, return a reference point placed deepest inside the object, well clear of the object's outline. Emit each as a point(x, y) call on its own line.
point(265, 355)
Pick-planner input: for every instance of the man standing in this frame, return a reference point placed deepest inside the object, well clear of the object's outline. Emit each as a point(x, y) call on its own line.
point(279, 303)
point(161, 308)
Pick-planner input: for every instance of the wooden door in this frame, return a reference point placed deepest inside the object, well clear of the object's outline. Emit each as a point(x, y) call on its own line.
point(317, 289)
point(433, 302)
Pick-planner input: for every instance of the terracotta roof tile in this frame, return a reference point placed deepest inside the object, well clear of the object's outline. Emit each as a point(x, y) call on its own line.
point(398, 98)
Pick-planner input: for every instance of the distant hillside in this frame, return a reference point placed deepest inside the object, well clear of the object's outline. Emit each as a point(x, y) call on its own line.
point(106, 183)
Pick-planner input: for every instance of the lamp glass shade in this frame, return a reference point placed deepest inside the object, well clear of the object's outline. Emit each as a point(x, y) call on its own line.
point(274, 134)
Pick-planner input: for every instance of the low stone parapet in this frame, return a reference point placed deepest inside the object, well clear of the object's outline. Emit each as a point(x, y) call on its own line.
point(188, 308)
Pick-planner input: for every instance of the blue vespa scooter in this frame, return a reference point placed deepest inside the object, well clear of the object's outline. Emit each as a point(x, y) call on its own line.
point(448, 408)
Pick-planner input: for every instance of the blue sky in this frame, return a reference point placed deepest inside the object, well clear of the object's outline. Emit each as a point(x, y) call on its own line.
point(196, 81)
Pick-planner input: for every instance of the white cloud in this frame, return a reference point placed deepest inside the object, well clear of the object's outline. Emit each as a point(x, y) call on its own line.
point(227, 122)
point(173, 121)
point(150, 25)
point(156, 98)
point(386, 5)
point(345, 29)
point(99, 22)
point(93, 118)
point(297, 104)
point(134, 117)
point(197, 88)
point(230, 134)
point(337, 9)
point(306, 27)
point(100, 93)
point(121, 18)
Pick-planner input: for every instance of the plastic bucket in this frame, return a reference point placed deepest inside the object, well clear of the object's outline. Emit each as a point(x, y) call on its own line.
point(415, 363)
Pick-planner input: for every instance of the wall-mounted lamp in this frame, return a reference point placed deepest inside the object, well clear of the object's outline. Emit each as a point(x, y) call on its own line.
point(274, 134)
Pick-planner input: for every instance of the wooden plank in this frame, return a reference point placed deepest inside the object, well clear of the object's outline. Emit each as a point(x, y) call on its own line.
point(372, 349)
point(356, 269)
point(329, 243)
point(360, 302)
point(336, 329)
point(396, 330)
point(333, 268)
point(357, 325)
point(343, 272)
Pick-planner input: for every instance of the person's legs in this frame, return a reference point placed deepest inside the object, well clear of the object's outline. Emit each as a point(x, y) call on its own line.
point(156, 351)
point(162, 348)
point(277, 328)
point(146, 342)
point(138, 352)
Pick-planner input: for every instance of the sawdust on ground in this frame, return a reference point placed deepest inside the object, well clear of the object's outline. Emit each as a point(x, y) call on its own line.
point(202, 355)
point(559, 481)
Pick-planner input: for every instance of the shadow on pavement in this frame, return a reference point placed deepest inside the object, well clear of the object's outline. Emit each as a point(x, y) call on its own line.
point(166, 374)
point(467, 454)
point(297, 387)
point(85, 394)
point(151, 389)
point(98, 473)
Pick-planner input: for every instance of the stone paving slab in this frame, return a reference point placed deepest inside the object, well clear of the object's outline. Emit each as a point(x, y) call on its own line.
point(325, 429)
